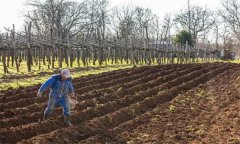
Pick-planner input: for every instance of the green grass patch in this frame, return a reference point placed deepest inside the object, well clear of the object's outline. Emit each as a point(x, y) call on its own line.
point(44, 68)
point(24, 78)
point(229, 61)
point(7, 82)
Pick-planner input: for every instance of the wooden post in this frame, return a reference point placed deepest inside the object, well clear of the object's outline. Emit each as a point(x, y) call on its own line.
point(148, 48)
point(39, 57)
point(28, 36)
point(5, 69)
point(52, 46)
point(132, 51)
point(15, 57)
point(60, 50)
point(116, 50)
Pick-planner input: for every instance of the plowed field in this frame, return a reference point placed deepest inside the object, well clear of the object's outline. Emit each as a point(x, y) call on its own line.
point(191, 103)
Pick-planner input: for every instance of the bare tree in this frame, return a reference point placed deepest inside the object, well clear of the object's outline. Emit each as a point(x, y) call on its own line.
point(60, 15)
point(199, 21)
point(143, 18)
point(231, 15)
point(166, 27)
point(225, 34)
point(97, 17)
point(124, 21)
point(156, 25)
point(216, 29)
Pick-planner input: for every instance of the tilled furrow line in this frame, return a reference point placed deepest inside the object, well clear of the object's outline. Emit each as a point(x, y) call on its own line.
point(115, 105)
point(5, 94)
point(162, 98)
point(33, 129)
point(141, 112)
point(21, 95)
point(21, 103)
point(122, 79)
point(150, 78)
point(104, 74)
point(18, 94)
point(10, 112)
point(29, 118)
point(9, 93)
point(13, 92)
point(177, 81)
point(160, 80)
point(114, 76)
point(26, 95)
point(82, 80)
point(26, 118)
point(120, 85)
point(111, 121)
point(132, 90)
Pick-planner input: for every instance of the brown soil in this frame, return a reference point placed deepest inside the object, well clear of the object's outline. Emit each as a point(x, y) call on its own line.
point(192, 103)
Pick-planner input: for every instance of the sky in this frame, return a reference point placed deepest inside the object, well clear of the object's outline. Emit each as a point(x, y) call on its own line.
point(11, 11)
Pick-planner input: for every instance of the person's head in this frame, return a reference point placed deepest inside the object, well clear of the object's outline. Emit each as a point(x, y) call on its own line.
point(65, 73)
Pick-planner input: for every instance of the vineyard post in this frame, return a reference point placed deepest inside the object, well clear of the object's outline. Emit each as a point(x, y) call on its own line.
point(14, 48)
point(52, 47)
point(29, 55)
point(39, 57)
point(3, 54)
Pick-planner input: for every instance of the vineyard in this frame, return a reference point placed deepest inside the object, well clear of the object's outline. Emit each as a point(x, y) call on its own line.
point(175, 103)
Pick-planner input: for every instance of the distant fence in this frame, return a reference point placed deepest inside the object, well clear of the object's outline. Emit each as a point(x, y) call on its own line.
point(18, 47)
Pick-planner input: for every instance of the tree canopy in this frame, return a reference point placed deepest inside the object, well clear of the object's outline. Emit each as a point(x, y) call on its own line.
point(183, 37)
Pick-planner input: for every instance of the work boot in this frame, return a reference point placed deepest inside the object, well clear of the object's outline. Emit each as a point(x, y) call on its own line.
point(45, 117)
point(67, 120)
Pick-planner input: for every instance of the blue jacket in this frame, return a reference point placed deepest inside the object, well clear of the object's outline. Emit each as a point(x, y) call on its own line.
point(58, 88)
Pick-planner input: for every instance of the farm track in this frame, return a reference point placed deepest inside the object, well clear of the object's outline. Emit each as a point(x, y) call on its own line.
point(108, 105)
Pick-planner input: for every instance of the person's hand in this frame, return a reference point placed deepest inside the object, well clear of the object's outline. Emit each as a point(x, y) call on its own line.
point(39, 94)
point(72, 94)
point(238, 132)
point(72, 103)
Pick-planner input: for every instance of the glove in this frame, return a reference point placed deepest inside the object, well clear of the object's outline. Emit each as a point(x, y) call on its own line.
point(39, 94)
